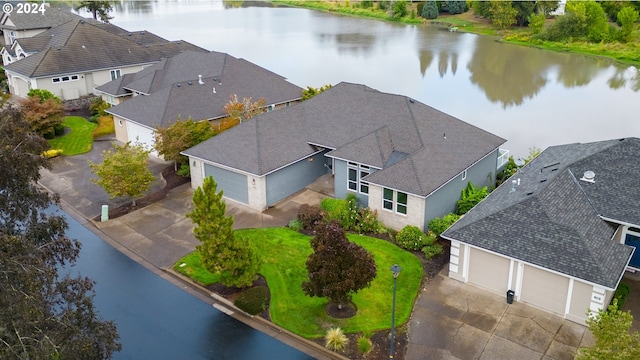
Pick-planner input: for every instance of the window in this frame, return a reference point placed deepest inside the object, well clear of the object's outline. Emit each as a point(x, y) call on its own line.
point(464, 174)
point(394, 201)
point(354, 180)
point(12, 37)
point(115, 74)
point(65, 78)
point(110, 99)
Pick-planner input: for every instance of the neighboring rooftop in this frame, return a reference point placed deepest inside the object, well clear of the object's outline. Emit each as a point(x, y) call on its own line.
point(26, 21)
point(417, 147)
point(548, 214)
point(81, 45)
point(197, 85)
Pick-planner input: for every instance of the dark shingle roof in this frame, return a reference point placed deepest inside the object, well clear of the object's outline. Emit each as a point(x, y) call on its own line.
point(554, 219)
point(80, 46)
point(180, 94)
point(392, 132)
point(51, 17)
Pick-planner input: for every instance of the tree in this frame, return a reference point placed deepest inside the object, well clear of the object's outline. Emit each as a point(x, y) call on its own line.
point(44, 314)
point(43, 116)
point(124, 171)
point(454, 6)
point(245, 109)
point(614, 341)
point(224, 254)
point(503, 14)
point(524, 10)
point(430, 10)
point(183, 134)
point(310, 92)
point(545, 7)
point(536, 22)
point(481, 8)
point(99, 9)
point(337, 268)
point(399, 9)
point(627, 17)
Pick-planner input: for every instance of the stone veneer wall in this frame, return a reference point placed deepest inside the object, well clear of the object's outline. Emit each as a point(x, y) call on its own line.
point(80, 103)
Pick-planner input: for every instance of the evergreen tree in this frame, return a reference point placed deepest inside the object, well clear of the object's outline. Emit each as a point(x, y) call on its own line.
point(430, 10)
point(337, 267)
point(222, 253)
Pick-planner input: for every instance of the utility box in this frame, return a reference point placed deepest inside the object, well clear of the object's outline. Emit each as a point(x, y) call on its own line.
point(510, 295)
point(105, 213)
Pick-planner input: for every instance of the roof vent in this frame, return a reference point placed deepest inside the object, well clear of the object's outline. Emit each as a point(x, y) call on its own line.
point(589, 176)
point(178, 85)
point(200, 80)
point(214, 90)
point(189, 83)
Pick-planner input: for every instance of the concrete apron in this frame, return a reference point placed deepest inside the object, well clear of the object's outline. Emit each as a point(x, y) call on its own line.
point(453, 320)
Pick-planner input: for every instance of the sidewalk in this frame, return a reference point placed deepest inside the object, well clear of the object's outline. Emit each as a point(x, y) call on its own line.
point(158, 235)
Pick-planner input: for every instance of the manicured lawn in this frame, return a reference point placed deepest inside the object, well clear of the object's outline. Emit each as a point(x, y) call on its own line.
point(284, 253)
point(78, 140)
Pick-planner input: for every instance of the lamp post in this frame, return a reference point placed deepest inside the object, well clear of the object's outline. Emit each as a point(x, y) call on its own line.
point(396, 271)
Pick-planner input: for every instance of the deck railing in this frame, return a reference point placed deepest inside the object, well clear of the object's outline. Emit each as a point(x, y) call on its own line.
point(503, 158)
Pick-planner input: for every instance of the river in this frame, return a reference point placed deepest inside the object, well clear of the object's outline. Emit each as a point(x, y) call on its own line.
point(531, 97)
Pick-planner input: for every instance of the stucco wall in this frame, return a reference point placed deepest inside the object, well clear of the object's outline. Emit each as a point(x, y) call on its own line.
point(120, 125)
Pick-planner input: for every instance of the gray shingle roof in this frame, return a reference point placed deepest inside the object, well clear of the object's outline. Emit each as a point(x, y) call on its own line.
point(400, 135)
point(181, 94)
point(81, 46)
point(554, 220)
point(51, 17)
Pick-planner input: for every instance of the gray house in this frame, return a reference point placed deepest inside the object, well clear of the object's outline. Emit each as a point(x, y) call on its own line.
point(72, 58)
point(193, 84)
point(402, 158)
point(561, 233)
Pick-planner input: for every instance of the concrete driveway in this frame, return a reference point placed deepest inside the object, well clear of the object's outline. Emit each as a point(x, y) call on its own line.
point(453, 320)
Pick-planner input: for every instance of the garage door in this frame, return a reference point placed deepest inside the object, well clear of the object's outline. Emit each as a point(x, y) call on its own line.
point(544, 289)
point(233, 184)
point(489, 271)
point(143, 135)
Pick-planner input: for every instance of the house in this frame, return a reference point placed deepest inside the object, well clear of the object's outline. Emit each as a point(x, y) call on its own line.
point(561, 233)
point(18, 25)
point(400, 157)
point(193, 85)
point(74, 57)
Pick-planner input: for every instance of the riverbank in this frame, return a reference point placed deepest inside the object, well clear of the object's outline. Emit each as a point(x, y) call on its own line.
point(467, 22)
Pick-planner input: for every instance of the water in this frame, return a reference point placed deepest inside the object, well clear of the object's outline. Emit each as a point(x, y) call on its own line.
point(531, 97)
point(157, 320)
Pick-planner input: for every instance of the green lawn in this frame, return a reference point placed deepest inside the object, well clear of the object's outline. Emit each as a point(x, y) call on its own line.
point(284, 253)
point(79, 139)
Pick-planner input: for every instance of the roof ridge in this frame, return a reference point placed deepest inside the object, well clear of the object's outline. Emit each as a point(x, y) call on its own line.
point(258, 144)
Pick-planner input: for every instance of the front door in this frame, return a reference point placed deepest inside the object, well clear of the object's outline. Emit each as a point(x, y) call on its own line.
point(634, 240)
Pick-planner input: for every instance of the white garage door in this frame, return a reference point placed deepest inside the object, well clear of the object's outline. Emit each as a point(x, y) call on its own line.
point(143, 135)
point(544, 289)
point(489, 271)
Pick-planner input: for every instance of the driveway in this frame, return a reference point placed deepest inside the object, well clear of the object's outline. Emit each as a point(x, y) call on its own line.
point(453, 320)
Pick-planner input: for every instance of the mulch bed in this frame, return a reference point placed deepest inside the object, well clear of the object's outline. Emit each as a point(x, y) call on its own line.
point(172, 180)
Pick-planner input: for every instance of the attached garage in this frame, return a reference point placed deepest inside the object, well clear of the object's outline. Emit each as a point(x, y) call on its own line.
point(544, 289)
point(232, 183)
point(488, 271)
point(142, 134)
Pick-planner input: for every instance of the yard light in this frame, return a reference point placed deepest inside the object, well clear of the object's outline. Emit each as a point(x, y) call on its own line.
point(396, 271)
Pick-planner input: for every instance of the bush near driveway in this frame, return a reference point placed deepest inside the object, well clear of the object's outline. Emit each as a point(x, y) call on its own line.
point(284, 253)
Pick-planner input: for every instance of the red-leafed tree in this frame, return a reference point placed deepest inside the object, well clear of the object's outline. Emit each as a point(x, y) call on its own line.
point(337, 267)
point(42, 115)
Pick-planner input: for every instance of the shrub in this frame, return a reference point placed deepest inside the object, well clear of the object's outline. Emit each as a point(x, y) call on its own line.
point(184, 170)
point(536, 22)
point(105, 126)
point(411, 238)
point(51, 153)
point(253, 300)
point(98, 106)
point(335, 339)
point(58, 129)
point(310, 216)
point(348, 215)
point(400, 9)
point(332, 207)
point(364, 344)
point(43, 94)
point(621, 294)
point(368, 222)
point(295, 225)
point(432, 248)
point(469, 197)
point(438, 226)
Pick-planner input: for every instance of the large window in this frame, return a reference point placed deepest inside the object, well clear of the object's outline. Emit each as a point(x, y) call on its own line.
point(394, 201)
point(115, 74)
point(356, 173)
